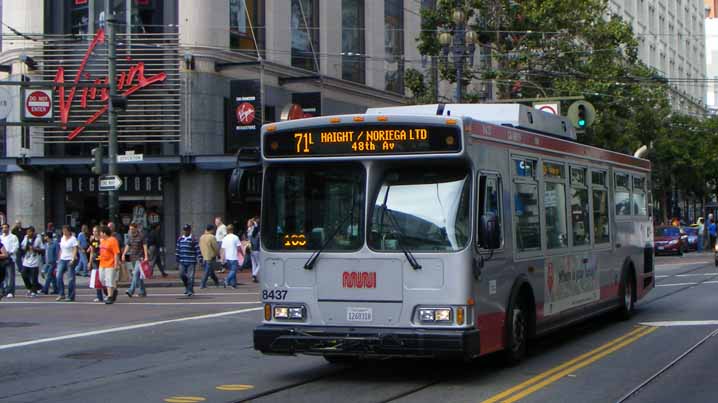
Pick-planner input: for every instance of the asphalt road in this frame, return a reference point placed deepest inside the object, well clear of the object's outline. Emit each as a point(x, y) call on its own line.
point(169, 348)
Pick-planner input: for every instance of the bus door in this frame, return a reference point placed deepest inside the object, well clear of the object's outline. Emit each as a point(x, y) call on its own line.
point(491, 266)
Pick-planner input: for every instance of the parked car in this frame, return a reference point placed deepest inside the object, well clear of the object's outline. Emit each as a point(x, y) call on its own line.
point(669, 240)
point(692, 238)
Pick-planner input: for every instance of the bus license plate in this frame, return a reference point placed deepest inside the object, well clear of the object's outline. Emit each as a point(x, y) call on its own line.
point(359, 314)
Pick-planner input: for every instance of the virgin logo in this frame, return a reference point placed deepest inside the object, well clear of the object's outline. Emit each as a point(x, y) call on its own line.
point(245, 113)
point(128, 82)
point(357, 279)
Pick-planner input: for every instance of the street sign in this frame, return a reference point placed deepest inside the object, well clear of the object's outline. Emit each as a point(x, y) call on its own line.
point(550, 107)
point(130, 158)
point(109, 183)
point(38, 104)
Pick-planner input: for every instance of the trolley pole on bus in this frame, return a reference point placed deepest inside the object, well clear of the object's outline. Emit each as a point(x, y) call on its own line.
point(112, 111)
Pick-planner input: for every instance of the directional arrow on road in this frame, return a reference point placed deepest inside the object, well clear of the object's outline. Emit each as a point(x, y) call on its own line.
point(109, 183)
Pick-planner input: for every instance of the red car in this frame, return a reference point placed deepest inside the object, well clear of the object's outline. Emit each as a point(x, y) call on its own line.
point(670, 240)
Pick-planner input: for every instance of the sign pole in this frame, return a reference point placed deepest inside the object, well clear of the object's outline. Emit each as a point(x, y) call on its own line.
point(112, 78)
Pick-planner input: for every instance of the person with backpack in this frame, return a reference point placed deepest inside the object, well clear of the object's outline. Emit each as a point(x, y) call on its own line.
point(188, 256)
point(31, 246)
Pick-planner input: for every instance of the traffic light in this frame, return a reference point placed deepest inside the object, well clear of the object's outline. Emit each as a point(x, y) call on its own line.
point(581, 116)
point(97, 160)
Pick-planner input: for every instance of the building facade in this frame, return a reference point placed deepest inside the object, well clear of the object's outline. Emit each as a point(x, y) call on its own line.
point(671, 40)
point(199, 78)
point(711, 35)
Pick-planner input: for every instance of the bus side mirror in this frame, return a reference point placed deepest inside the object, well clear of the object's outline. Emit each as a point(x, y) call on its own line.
point(490, 232)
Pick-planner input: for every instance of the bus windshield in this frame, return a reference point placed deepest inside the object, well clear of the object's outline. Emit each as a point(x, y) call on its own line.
point(310, 203)
point(421, 210)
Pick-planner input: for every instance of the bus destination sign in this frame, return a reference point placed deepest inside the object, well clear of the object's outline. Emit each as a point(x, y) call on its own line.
point(374, 139)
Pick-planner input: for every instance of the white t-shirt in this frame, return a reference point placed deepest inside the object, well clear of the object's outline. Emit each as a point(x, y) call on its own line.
point(221, 233)
point(10, 242)
point(230, 244)
point(31, 258)
point(66, 247)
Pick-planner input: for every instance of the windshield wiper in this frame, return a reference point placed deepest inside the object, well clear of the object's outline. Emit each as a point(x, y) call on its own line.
point(309, 265)
point(409, 256)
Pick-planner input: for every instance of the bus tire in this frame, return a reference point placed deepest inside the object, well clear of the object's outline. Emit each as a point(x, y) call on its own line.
point(517, 329)
point(627, 293)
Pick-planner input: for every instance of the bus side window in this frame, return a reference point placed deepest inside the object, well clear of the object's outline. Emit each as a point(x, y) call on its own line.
point(490, 202)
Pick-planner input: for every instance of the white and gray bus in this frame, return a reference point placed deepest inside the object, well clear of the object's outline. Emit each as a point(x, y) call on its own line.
point(444, 231)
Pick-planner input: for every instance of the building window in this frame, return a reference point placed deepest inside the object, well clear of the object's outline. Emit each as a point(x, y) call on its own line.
point(353, 65)
point(79, 21)
point(246, 25)
point(305, 33)
point(394, 45)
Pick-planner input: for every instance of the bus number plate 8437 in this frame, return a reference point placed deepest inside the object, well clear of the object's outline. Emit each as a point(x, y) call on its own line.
point(359, 314)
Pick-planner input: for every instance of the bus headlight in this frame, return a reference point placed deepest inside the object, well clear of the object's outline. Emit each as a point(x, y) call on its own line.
point(289, 312)
point(440, 315)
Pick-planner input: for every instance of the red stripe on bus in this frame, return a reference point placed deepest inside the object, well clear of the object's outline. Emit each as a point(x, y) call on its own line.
point(520, 137)
point(491, 331)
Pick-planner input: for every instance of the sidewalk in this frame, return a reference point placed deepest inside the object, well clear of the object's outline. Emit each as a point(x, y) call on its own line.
point(172, 279)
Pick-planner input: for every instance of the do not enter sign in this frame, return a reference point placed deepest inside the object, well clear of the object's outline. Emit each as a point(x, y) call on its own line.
point(38, 104)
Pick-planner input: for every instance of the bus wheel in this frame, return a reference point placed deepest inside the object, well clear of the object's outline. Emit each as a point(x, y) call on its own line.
point(341, 359)
point(627, 295)
point(517, 331)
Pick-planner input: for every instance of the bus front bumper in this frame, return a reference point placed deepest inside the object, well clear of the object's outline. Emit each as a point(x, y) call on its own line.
point(366, 342)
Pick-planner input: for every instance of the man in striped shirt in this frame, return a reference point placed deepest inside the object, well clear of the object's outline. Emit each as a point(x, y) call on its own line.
point(188, 255)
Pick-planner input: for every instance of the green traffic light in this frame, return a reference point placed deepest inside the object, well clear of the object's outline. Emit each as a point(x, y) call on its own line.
point(582, 122)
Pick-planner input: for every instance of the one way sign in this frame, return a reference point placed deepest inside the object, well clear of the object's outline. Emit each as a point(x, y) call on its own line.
point(110, 183)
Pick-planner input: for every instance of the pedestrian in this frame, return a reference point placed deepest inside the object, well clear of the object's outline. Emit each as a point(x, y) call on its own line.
point(188, 255)
point(18, 230)
point(228, 253)
point(4, 261)
point(244, 254)
point(220, 233)
point(52, 251)
point(83, 241)
point(31, 246)
point(121, 242)
point(253, 233)
point(712, 232)
point(154, 243)
point(210, 250)
point(135, 253)
point(66, 263)
point(109, 263)
point(12, 246)
point(93, 251)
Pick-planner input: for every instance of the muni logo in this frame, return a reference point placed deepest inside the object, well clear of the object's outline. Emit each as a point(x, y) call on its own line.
point(359, 279)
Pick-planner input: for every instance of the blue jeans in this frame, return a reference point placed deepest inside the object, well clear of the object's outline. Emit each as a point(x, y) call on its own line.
point(63, 267)
point(231, 279)
point(10, 270)
point(137, 282)
point(81, 267)
point(187, 275)
point(209, 272)
point(50, 279)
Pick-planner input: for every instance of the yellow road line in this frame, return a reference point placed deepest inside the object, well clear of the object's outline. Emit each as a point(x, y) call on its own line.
point(234, 388)
point(578, 366)
point(185, 399)
point(563, 366)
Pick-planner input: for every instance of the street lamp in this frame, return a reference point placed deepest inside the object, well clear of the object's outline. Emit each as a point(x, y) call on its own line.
point(460, 43)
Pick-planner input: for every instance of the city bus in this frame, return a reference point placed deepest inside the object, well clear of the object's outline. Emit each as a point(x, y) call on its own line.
point(449, 230)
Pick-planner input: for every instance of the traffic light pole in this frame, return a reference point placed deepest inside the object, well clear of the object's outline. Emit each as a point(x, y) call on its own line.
point(112, 112)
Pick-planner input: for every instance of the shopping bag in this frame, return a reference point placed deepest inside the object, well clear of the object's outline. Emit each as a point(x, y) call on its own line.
point(145, 270)
point(95, 279)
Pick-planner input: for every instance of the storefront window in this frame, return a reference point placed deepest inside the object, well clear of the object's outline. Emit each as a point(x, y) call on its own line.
point(86, 17)
point(394, 45)
point(353, 40)
point(305, 33)
point(246, 25)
